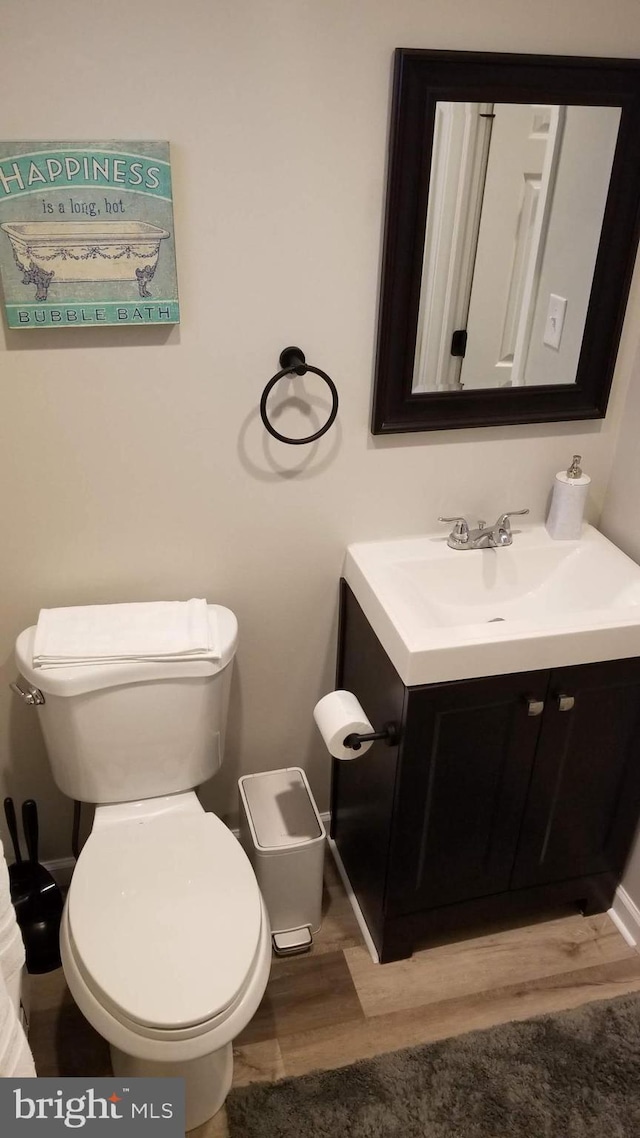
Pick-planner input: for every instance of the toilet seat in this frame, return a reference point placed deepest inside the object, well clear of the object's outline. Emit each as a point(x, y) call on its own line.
point(165, 921)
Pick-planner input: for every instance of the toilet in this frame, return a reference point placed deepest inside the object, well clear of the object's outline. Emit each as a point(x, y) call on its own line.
point(165, 939)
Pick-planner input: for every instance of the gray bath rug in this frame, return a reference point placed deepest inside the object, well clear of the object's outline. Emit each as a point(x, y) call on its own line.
point(571, 1075)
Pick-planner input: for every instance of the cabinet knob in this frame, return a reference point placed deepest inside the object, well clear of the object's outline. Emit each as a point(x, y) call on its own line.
point(565, 702)
point(535, 706)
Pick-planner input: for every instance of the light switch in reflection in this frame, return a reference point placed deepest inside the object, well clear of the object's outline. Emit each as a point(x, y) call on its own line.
point(555, 320)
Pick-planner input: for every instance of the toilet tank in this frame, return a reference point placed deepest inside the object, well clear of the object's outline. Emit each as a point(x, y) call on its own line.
point(121, 732)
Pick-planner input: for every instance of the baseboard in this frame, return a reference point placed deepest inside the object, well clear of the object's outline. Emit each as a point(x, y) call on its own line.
point(625, 915)
point(357, 911)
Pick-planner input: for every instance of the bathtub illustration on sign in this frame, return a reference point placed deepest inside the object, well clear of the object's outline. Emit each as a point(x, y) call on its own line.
point(66, 252)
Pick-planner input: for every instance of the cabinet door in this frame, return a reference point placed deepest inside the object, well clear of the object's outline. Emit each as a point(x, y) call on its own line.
point(465, 763)
point(584, 798)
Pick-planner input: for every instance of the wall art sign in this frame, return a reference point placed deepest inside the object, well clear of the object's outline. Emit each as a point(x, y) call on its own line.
point(86, 234)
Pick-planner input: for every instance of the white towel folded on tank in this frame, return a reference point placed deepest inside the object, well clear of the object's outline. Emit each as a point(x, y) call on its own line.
point(104, 634)
point(16, 1060)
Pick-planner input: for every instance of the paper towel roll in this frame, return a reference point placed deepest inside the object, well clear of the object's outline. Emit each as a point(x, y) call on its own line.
point(564, 522)
point(337, 715)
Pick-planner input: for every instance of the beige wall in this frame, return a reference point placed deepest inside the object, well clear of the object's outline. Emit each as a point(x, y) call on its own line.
point(620, 521)
point(133, 464)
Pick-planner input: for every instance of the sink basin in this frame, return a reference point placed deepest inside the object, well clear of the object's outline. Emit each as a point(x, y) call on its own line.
point(445, 614)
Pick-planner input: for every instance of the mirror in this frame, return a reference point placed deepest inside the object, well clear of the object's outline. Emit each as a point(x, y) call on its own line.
point(511, 230)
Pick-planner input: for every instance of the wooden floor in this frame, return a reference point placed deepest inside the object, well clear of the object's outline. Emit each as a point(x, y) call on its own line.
point(333, 1005)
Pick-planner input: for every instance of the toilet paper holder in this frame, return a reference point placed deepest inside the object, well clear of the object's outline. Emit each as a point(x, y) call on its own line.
point(389, 733)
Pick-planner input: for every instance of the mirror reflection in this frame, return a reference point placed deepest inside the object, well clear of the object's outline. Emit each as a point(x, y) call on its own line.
point(516, 201)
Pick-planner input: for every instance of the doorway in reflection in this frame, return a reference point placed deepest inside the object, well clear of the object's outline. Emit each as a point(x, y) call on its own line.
point(517, 195)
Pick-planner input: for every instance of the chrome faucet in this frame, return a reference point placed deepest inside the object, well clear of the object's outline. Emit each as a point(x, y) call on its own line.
point(484, 537)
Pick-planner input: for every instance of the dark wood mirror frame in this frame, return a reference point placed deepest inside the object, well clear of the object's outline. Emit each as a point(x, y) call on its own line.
point(421, 78)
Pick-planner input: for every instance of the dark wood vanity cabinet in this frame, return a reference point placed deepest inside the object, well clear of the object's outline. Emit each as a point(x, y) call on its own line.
point(504, 795)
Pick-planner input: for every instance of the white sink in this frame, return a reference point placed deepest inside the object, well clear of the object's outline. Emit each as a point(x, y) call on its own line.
point(445, 614)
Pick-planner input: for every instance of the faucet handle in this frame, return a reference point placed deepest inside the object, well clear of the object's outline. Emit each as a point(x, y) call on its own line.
point(460, 529)
point(503, 520)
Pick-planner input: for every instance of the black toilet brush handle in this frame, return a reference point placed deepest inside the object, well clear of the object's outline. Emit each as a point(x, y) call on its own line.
point(10, 815)
point(30, 827)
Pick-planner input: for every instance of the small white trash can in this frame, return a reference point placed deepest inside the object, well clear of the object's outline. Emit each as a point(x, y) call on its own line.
point(284, 838)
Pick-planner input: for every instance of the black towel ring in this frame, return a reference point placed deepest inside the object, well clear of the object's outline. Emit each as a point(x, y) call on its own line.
point(292, 360)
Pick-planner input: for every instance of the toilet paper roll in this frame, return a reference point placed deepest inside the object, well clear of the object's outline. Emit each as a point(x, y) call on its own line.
point(337, 715)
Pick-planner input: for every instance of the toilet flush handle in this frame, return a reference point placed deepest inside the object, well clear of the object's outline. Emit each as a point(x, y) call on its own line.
point(33, 696)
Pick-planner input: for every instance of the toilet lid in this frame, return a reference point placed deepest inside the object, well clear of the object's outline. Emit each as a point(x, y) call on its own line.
point(165, 916)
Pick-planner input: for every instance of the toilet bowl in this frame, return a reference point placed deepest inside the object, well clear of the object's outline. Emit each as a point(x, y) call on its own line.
point(165, 939)
point(166, 956)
